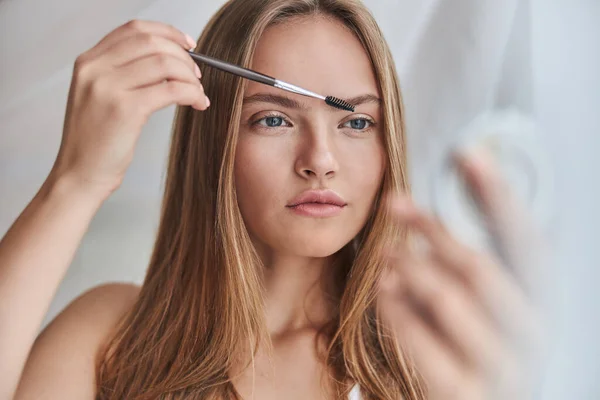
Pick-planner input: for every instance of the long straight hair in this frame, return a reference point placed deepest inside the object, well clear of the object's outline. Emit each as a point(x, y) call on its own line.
point(201, 303)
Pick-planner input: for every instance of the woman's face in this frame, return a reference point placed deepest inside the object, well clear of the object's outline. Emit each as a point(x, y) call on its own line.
point(290, 145)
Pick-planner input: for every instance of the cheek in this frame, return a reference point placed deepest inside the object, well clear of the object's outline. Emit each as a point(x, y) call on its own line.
point(364, 165)
point(257, 178)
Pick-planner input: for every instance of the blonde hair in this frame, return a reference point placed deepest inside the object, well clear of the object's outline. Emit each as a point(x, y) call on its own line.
point(202, 293)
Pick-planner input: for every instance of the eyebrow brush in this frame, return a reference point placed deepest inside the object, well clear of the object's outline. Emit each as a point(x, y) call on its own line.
point(267, 80)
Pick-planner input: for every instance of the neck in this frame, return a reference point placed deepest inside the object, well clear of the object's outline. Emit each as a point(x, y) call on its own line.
point(298, 292)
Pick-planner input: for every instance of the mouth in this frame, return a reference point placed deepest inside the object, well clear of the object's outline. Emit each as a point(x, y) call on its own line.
point(318, 203)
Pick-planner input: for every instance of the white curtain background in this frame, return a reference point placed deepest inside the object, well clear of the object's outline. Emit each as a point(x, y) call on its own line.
point(457, 60)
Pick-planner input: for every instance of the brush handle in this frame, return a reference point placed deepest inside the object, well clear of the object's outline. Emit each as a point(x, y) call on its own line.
point(233, 69)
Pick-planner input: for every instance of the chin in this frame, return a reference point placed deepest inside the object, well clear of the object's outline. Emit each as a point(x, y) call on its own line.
point(315, 246)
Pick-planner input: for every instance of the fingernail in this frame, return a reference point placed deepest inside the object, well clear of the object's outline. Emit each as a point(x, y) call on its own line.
point(197, 69)
point(190, 41)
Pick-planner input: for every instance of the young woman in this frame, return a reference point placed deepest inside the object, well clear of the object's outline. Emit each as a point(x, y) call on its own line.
point(281, 268)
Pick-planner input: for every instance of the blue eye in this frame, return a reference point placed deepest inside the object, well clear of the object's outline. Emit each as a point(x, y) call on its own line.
point(271, 122)
point(358, 124)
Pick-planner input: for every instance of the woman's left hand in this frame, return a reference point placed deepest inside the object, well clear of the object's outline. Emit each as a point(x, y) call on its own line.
point(466, 319)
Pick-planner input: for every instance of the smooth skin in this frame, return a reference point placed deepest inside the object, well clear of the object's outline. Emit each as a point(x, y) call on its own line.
point(134, 71)
point(289, 144)
point(285, 147)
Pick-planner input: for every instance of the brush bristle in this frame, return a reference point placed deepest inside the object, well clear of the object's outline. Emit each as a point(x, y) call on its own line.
point(339, 103)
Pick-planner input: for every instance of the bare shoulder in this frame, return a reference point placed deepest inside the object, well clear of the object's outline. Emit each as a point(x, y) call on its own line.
point(108, 302)
point(63, 358)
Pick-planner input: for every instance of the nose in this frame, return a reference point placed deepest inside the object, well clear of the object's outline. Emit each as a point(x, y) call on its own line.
point(316, 156)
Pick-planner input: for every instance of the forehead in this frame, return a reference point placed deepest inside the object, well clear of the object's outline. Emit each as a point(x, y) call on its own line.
point(317, 53)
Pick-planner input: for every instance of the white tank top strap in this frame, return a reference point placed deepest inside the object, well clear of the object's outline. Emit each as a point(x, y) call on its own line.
point(354, 393)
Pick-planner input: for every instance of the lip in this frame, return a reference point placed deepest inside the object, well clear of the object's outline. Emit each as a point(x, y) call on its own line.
point(317, 203)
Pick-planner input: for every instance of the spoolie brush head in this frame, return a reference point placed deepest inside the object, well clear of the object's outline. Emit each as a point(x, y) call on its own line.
point(338, 103)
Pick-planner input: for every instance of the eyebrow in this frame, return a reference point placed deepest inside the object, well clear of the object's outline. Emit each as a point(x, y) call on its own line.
point(364, 98)
point(287, 102)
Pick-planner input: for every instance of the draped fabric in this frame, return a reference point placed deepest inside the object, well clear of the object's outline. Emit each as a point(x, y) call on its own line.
point(461, 62)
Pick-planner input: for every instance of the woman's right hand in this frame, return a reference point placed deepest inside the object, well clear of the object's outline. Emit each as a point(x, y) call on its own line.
point(135, 70)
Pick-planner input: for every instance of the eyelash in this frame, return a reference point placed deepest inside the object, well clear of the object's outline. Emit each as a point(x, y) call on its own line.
point(370, 122)
point(257, 122)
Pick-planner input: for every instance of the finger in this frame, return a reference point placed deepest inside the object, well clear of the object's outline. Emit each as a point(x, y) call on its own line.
point(480, 273)
point(520, 246)
point(154, 69)
point(439, 240)
point(135, 27)
point(390, 279)
point(503, 299)
point(158, 96)
point(406, 212)
point(518, 242)
point(498, 292)
point(442, 371)
point(456, 314)
point(143, 45)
